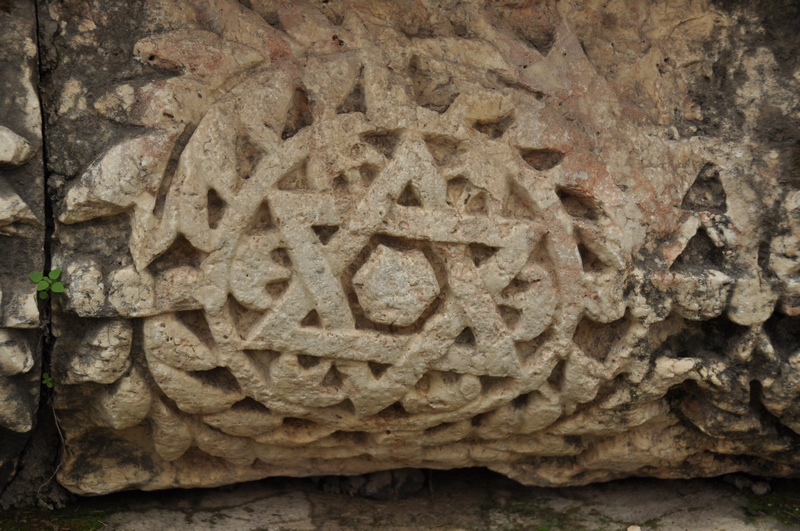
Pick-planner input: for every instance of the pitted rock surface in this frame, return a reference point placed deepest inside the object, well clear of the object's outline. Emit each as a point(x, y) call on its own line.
point(394, 288)
point(343, 237)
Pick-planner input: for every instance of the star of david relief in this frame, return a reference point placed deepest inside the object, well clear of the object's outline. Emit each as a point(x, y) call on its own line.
point(371, 237)
point(365, 257)
point(415, 252)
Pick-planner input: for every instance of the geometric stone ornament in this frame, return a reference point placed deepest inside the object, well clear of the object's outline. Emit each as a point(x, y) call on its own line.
point(394, 288)
point(342, 237)
point(21, 232)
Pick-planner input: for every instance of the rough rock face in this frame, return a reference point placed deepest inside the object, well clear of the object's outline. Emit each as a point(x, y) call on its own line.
point(21, 231)
point(559, 240)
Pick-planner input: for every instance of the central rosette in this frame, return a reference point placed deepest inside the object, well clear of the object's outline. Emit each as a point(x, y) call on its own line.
point(395, 287)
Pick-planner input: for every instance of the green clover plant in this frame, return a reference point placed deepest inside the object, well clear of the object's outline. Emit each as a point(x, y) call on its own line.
point(47, 283)
point(47, 380)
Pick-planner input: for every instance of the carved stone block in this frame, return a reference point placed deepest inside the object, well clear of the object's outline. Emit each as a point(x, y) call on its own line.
point(341, 237)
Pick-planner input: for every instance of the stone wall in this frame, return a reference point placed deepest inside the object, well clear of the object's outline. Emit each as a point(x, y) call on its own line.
point(558, 240)
point(21, 231)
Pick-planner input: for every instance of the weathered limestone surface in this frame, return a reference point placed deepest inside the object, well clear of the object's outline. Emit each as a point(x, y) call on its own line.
point(21, 231)
point(559, 240)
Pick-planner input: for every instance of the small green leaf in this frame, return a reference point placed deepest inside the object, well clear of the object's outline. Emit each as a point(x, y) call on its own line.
point(36, 276)
point(43, 285)
point(43, 295)
point(54, 274)
point(57, 287)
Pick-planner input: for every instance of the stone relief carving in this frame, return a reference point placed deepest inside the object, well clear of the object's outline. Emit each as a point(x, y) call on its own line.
point(345, 239)
point(21, 234)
